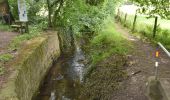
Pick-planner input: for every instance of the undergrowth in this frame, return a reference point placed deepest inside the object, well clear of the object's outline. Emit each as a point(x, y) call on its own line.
point(107, 51)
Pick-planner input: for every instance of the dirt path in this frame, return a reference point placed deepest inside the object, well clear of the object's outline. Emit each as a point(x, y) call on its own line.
point(141, 59)
point(5, 39)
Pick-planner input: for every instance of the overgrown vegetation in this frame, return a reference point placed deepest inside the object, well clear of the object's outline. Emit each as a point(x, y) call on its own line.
point(107, 49)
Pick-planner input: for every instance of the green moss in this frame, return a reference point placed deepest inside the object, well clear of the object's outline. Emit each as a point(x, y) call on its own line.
point(30, 67)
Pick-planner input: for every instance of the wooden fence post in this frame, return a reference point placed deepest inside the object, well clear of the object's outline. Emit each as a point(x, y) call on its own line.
point(118, 14)
point(155, 27)
point(125, 18)
point(134, 22)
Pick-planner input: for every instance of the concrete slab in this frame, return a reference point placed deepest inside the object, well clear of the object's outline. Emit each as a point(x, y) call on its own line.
point(165, 88)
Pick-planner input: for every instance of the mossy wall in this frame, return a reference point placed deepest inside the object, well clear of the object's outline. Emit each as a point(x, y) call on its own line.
point(31, 65)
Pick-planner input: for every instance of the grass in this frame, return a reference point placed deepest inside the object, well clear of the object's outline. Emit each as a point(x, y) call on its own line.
point(17, 41)
point(5, 57)
point(4, 27)
point(108, 42)
point(144, 26)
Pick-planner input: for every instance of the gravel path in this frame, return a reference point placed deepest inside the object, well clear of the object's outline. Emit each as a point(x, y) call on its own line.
point(142, 60)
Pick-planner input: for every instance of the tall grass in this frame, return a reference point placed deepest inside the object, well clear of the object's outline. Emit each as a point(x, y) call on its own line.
point(108, 42)
point(144, 26)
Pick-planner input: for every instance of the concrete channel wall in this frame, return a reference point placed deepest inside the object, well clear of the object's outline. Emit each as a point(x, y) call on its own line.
point(30, 67)
point(158, 89)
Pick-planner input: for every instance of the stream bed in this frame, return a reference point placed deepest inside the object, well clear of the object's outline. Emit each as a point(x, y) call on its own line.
point(64, 79)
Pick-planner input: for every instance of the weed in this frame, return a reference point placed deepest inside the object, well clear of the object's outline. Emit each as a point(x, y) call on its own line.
point(5, 57)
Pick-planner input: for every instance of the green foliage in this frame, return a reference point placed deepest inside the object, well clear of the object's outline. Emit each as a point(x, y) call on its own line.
point(156, 7)
point(5, 57)
point(33, 8)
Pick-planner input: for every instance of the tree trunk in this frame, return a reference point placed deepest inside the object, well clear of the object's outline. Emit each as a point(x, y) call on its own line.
point(49, 13)
point(5, 10)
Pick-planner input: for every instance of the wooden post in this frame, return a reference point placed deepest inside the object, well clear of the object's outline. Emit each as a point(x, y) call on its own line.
point(118, 15)
point(125, 18)
point(155, 27)
point(134, 22)
point(27, 28)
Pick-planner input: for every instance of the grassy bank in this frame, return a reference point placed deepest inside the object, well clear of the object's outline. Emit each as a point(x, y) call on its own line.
point(144, 27)
point(107, 49)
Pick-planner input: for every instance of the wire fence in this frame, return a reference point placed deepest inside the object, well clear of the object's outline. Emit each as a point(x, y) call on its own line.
point(154, 28)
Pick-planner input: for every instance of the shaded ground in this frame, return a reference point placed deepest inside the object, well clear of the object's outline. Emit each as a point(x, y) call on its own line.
point(141, 59)
point(5, 39)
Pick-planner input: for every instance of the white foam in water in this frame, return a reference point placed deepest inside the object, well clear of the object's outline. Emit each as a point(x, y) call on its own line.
point(77, 64)
point(53, 97)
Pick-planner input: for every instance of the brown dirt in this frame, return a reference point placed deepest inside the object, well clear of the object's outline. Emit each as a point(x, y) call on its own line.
point(142, 58)
point(5, 39)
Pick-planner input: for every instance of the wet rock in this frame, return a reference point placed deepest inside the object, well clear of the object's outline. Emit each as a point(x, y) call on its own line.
point(59, 77)
point(52, 97)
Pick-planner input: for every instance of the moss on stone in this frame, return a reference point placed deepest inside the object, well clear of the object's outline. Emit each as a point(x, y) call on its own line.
point(30, 66)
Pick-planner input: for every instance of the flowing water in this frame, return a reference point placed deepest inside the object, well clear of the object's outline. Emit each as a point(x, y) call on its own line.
point(64, 79)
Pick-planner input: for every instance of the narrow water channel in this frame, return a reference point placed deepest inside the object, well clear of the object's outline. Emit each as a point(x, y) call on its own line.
point(64, 79)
